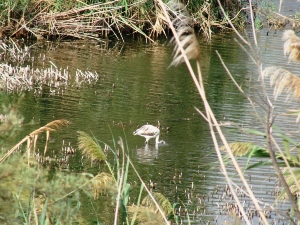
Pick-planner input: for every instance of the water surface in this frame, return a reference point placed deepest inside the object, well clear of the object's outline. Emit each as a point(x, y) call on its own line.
point(137, 87)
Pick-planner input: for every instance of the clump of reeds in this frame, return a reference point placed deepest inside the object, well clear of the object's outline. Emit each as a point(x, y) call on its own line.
point(11, 52)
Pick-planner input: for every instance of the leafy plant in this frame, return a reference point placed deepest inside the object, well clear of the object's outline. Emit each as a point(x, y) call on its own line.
point(116, 182)
point(10, 122)
point(146, 212)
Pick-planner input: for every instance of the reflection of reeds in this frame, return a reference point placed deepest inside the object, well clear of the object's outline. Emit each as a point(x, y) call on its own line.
point(292, 45)
point(19, 78)
point(282, 79)
point(11, 52)
point(16, 77)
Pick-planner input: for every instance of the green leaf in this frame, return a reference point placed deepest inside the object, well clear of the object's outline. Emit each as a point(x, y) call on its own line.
point(43, 214)
point(125, 192)
point(255, 132)
point(259, 164)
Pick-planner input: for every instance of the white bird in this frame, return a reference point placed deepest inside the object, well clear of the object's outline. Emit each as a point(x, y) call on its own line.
point(148, 132)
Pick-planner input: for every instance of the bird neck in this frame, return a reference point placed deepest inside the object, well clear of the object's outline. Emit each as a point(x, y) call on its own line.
point(157, 139)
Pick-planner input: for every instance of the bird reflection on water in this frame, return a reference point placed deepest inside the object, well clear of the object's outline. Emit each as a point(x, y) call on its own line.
point(148, 153)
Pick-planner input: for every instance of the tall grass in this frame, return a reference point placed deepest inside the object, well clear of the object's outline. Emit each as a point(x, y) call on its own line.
point(28, 196)
point(186, 49)
point(142, 211)
point(26, 186)
point(183, 41)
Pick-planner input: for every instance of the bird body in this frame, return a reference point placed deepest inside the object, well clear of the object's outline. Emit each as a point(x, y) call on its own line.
point(148, 131)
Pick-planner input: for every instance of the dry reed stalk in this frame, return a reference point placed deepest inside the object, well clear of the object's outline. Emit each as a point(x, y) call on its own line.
point(205, 20)
point(159, 26)
point(269, 119)
point(211, 118)
point(121, 180)
point(291, 46)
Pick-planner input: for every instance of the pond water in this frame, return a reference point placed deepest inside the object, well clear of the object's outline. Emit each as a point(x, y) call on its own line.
point(136, 87)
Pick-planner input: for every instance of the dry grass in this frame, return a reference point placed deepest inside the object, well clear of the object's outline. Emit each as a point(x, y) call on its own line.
point(49, 19)
point(102, 183)
point(89, 21)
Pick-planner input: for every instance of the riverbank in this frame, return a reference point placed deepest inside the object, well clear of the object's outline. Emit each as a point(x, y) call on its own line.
point(101, 20)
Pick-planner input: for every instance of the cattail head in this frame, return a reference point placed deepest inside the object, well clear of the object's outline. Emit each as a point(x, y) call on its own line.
point(186, 34)
point(291, 46)
point(281, 80)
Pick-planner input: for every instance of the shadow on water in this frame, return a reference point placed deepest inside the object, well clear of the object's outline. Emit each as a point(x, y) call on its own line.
point(136, 87)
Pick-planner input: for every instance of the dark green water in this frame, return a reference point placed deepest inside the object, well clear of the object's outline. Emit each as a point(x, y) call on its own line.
point(136, 87)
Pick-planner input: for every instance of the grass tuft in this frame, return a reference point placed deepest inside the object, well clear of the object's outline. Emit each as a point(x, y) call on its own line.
point(147, 212)
point(103, 182)
point(90, 147)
